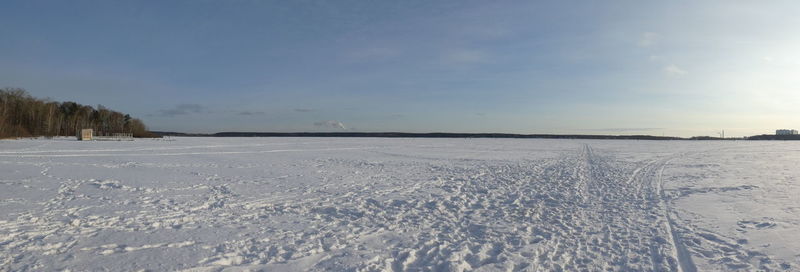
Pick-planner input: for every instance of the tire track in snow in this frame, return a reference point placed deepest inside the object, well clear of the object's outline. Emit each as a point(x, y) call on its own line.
point(681, 253)
point(712, 249)
point(583, 210)
point(649, 179)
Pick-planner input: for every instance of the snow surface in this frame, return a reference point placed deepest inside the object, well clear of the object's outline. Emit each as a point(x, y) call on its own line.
point(370, 204)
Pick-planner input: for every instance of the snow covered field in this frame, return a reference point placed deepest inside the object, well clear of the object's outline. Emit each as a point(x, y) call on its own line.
point(369, 204)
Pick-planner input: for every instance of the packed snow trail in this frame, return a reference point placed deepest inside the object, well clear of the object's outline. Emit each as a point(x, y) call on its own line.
point(293, 204)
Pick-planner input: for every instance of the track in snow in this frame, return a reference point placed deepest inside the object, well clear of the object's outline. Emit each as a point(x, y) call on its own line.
point(353, 206)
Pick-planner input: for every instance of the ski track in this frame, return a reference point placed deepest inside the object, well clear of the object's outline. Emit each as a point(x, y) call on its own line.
point(373, 210)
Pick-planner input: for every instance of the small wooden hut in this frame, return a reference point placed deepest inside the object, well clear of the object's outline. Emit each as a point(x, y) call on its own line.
point(85, 134)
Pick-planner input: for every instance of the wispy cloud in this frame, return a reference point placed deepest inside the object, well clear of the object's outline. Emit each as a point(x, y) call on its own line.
point(250, 113)
point(649, 39)
point(331, 124)
point(183, 109)
point(674, 70)
point(655, 58)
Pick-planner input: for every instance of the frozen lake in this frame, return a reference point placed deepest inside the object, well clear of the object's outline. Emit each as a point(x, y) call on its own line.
point(371, 204)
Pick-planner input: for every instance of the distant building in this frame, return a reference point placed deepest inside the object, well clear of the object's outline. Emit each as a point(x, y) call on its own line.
point(85, 134)
point(91, 135)
point(786, 132)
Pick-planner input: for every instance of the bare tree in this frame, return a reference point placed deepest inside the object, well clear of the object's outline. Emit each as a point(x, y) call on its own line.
point(22, 115)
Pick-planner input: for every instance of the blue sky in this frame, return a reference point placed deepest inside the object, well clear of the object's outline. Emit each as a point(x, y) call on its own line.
point(614, 67)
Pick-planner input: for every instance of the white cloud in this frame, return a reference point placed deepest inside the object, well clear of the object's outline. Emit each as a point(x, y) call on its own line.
point(331, 124)
point(674, 70)
point(649, 39)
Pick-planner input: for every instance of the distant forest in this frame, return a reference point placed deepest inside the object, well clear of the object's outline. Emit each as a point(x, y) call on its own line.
point(22, 115)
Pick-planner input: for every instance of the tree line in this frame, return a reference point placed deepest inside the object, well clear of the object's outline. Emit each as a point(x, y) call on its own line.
point(22, 115)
